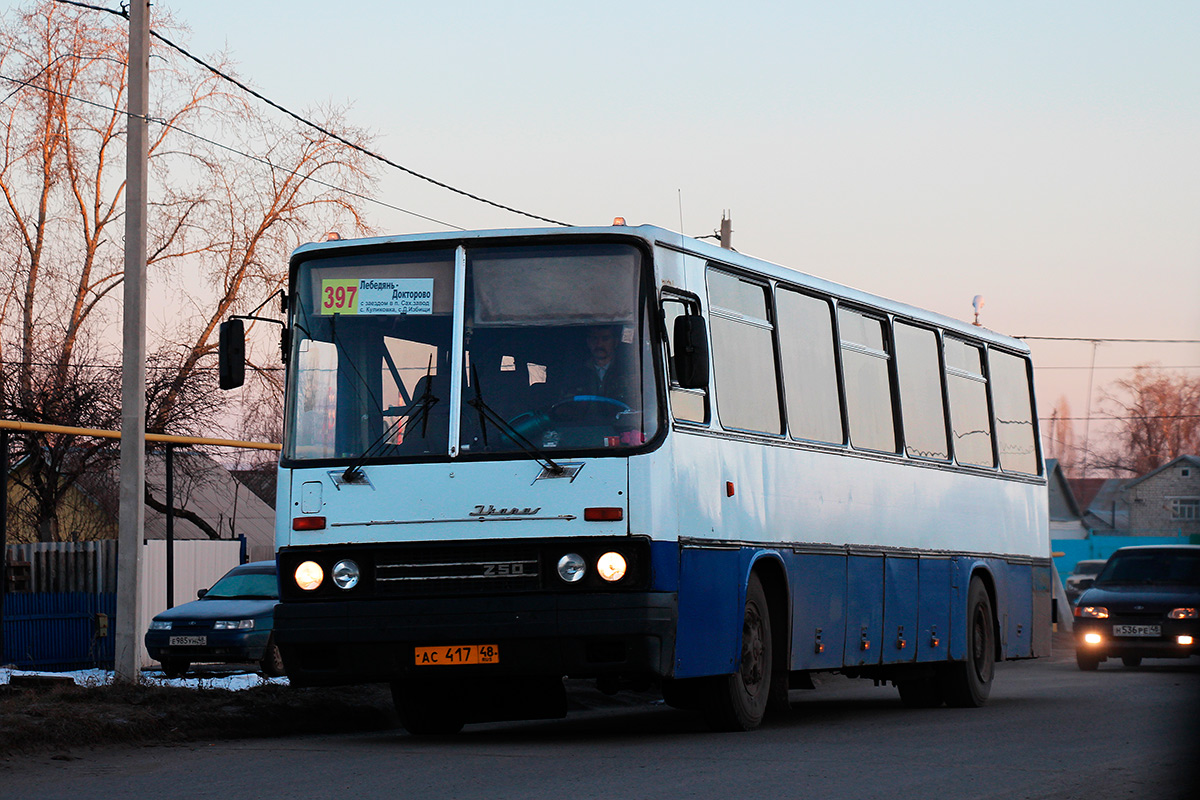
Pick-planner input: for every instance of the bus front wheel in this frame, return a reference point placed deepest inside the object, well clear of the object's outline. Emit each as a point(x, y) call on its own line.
point(738, 702)
point(968, 683)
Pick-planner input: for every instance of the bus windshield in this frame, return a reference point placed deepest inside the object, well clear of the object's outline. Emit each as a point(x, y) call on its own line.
point(557, 354)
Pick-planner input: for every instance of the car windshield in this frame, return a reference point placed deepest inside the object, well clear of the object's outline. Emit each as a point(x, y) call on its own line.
point(1088, 567)
point(245, 586)
point(557, 354)
point(1152, 567)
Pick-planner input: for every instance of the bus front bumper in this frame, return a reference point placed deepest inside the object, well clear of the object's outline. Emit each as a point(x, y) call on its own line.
point(579, 635)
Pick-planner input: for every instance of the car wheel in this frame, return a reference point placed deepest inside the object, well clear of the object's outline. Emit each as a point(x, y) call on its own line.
point(427, 708)
point(1086, 661)
point(921, 692)
point(968, 683)
point(271, 664)
point(738, 702)
point(175, 667)
point(1131, 661)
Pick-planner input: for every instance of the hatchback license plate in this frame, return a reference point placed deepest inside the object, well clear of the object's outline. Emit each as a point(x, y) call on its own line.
point(449, 655)
point(1137, 630)
point(188, 641)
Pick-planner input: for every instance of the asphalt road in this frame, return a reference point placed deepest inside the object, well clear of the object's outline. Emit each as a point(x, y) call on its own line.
point(1049, 731)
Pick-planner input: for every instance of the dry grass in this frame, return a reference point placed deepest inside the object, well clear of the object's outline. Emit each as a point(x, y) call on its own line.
point(55, 718)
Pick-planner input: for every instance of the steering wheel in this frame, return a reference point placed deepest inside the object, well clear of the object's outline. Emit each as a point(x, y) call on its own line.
point(583, 409)
point(577, 411)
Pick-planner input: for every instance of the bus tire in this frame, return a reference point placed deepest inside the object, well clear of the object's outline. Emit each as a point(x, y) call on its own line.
point(738, 702)
point(427, 708)
point(968, 683)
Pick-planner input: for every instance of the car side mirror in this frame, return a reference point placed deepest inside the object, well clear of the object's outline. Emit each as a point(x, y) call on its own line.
point(200, 593)
point(691, 352)
point(1086, 583)
point(231, 354)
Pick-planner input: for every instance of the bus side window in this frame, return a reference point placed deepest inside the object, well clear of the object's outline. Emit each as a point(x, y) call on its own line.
point(970, 422)
point(921, 406)
point(1015, 431)
point(687, 405)
point(809, 367)
point(865, 356)
point(745, 375)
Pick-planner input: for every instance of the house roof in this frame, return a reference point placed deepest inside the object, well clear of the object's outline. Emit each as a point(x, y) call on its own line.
point(1193, 460)
point(1086, 489)
point(1063, 505)
point(205, 487)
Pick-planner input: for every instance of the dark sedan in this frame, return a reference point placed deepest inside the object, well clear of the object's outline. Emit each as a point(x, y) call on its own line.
point(230, 623)
point(1145, 603)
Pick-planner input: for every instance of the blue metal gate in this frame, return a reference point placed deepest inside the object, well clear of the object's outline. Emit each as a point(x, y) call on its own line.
point(59, 631)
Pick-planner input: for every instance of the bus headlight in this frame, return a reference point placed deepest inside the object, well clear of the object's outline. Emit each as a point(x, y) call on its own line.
point(571, 567)
point(345, 574)
point(611, 567)
point(309, 575)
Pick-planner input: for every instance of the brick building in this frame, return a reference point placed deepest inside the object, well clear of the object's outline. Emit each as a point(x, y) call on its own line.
point(1166, 500)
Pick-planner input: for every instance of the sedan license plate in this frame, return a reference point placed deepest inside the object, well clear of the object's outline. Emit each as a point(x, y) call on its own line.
point(1137, 630)
point(448, 655)
point(188, 641)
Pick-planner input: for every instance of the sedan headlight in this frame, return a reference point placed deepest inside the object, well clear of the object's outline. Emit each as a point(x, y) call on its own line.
point(1184, 613)
point(160, 624)
point(1091, 612)
point(233, 625)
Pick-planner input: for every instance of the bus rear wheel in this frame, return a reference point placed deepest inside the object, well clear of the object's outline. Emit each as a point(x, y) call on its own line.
point(968, 683)
point(738, 702)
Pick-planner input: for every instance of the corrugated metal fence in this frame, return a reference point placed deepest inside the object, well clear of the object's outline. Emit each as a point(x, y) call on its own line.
point(59, 631)
point(52, 622)
point(68, 566)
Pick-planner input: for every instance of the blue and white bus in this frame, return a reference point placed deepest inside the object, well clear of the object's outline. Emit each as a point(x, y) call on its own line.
point(621, 454)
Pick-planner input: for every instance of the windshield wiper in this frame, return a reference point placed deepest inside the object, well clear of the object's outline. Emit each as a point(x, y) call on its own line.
point(487, 413)
point(419, 408)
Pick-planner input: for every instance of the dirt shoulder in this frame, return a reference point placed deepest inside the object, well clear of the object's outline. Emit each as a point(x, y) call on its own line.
point(57, 717)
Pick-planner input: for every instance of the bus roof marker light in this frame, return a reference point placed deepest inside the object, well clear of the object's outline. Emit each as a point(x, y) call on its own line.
point(618, 222)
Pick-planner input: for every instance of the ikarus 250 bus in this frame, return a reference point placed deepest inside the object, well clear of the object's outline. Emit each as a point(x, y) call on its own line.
point(621, 454)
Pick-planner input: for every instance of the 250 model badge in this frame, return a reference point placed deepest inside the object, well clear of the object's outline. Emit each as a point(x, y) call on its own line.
point(492, 511)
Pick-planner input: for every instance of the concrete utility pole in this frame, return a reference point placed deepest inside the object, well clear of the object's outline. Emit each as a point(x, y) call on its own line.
point(726, 231)
point(133, 362)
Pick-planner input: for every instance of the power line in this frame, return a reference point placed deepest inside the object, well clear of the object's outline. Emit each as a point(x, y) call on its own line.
point(315, 126)
point(1104, 340)
point(1135, 366)
point(1120, 419)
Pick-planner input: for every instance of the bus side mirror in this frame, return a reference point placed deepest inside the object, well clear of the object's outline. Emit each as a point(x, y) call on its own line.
point(231, 354)
point(691, 352)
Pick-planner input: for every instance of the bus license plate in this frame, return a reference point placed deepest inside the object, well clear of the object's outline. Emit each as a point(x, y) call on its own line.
point(188, 641)
point(448, 655)
point(1137, 630)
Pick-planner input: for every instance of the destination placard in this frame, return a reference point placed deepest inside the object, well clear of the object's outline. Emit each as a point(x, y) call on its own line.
point(364, 296)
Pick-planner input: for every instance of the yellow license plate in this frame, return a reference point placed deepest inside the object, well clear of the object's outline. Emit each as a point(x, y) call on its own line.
point(448, 655)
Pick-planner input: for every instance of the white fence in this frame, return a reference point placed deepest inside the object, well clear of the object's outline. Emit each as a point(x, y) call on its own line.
point(198, 565)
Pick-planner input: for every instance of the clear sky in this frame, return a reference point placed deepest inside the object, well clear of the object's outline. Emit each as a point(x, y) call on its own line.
point(1045, 155)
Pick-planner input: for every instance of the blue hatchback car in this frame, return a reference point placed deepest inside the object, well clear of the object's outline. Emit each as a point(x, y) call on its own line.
point(230, 623)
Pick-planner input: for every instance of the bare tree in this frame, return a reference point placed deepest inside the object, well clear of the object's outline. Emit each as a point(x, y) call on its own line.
point(1060, 437)
point(1158, 420)
point(223, 217)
